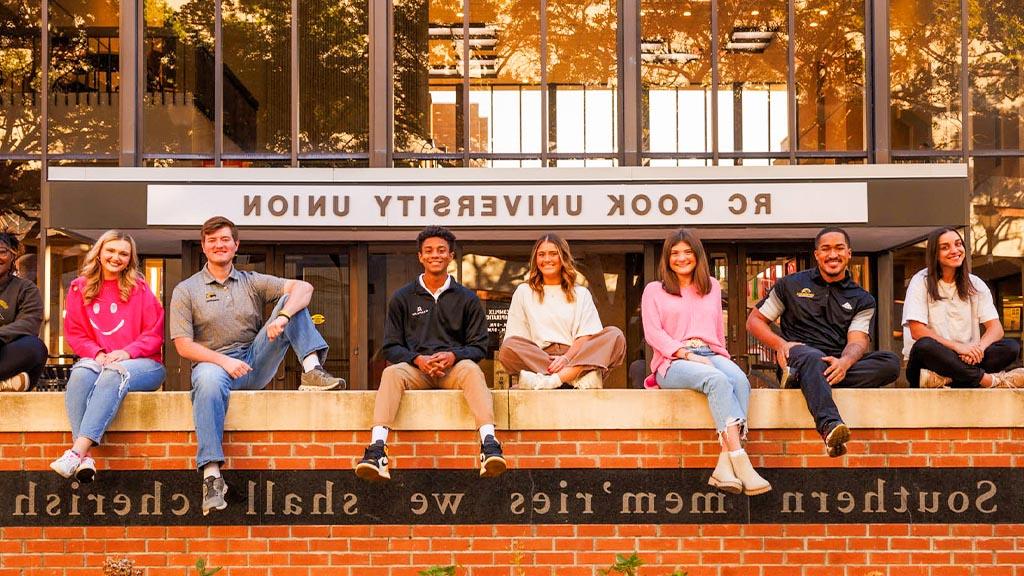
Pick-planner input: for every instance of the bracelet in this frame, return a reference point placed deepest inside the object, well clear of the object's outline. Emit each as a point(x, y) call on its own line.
point(285, 314)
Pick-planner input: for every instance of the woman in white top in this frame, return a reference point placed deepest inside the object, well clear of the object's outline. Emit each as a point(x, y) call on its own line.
point(553, 335)
point(945, 309)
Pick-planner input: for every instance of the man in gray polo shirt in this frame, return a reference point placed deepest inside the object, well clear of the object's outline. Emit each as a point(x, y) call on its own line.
point(217, 323)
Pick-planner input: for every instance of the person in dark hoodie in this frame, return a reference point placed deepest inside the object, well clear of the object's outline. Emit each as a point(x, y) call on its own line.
point(22, 353)
point(434, 335)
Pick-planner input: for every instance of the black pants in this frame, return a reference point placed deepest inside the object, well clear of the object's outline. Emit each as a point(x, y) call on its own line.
point(928, 353)
point(873, 370)
point(23, 354)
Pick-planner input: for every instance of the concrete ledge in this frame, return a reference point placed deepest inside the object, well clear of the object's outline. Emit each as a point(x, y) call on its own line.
point(533, 410)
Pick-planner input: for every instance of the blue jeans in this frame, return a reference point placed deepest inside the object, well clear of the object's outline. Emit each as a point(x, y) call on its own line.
point(94, 393)
point(212, 385)
point(724, 383)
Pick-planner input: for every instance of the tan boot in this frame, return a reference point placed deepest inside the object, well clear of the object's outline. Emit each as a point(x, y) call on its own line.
point(723, 477)
point(753, 483)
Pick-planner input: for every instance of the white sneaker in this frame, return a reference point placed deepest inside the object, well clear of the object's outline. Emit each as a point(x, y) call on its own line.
point(1009, 379)
point(86, 471)
point(67, 464)
point(590, 380)
point(16, 383)
point(533, 381)
point(929, 379)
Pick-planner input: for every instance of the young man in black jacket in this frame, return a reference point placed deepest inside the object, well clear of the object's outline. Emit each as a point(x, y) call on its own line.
point(435, 334)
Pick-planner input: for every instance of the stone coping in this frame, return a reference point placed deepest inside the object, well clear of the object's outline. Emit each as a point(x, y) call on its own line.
point(532, 410)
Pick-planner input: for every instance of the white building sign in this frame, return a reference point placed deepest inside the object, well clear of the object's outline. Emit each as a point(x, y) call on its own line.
point(517, 205)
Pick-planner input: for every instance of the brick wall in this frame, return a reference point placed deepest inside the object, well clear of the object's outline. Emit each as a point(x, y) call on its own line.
point(531, 550)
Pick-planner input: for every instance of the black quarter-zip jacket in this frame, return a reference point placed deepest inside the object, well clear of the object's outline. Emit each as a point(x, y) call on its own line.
point(417, 324)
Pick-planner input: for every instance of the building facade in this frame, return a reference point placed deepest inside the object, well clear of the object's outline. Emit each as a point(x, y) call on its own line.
point(199, 102)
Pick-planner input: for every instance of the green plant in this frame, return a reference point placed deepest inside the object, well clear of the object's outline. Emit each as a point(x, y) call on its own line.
point(203, 570)
point(626, 566)
point(439, 571)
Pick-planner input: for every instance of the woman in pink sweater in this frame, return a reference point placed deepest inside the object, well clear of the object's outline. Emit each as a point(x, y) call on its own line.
point(116, 325)
point(682, 317)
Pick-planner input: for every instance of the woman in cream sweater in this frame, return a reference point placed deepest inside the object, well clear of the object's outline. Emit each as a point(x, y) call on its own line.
point(554, 335)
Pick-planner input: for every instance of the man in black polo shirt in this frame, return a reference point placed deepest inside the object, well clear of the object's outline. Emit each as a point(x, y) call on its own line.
point(826, 322)
point(434, 335)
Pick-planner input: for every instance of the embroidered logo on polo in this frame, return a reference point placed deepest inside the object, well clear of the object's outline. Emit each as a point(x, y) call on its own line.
point(847, 306)
point(212, 297)
point(420, 311)
point(805, 293)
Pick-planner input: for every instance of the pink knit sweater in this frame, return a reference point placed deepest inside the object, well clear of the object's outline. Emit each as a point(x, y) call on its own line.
point(670, 320)
point(107, 323)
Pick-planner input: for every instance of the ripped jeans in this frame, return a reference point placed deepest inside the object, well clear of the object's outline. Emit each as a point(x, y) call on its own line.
point(95, 392)
point(724, 383)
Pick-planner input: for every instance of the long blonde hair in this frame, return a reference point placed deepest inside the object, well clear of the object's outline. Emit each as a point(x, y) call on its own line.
point(92, 270)
point(568, 280)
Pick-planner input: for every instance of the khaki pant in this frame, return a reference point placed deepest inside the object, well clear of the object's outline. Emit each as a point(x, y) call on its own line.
point(602, 351)
point(465, 375)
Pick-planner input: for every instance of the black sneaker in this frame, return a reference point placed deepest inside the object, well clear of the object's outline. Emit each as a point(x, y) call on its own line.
point(214, 490)
point(835, 439)
point(492, 463)
point(374, 465)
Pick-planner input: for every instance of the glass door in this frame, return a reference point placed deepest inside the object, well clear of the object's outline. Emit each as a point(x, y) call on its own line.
point(762, 271)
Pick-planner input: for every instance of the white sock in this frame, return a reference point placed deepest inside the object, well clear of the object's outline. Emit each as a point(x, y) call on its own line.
point(310, 362)
point(552, 380)
point(737, 452)
point(379, 433)
point(211, 470)
point(485, 430)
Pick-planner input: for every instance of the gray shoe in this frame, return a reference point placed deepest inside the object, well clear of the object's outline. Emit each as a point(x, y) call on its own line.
point(214, 490)
point(320, 379)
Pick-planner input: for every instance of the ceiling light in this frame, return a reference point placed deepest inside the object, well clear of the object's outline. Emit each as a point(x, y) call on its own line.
point(755, 12)
point(687, 13)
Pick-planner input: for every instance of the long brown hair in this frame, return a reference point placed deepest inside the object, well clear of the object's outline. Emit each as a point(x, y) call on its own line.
point(568, 281)
point(92, 270)
point(701, 272)
point(961, 276)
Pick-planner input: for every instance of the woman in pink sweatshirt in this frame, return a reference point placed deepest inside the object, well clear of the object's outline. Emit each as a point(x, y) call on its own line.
point(116, 325)
point(682, 317)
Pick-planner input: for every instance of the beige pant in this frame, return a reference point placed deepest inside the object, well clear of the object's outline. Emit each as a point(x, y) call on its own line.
point(602, 351)
point(465, 375)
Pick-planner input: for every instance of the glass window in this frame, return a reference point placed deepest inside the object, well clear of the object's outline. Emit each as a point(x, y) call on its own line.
point(19, 77)
point(997, 234)
point(582, 76)
point(334, 74)
point(752, 98)
point(924, 68)
point(178, 100)
point(19, 196)
point(257, 76)
point(675, 53)
point(428, 68)
point(85, 76)
point(830, 74)
point(996, 68)
point(504, 76)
